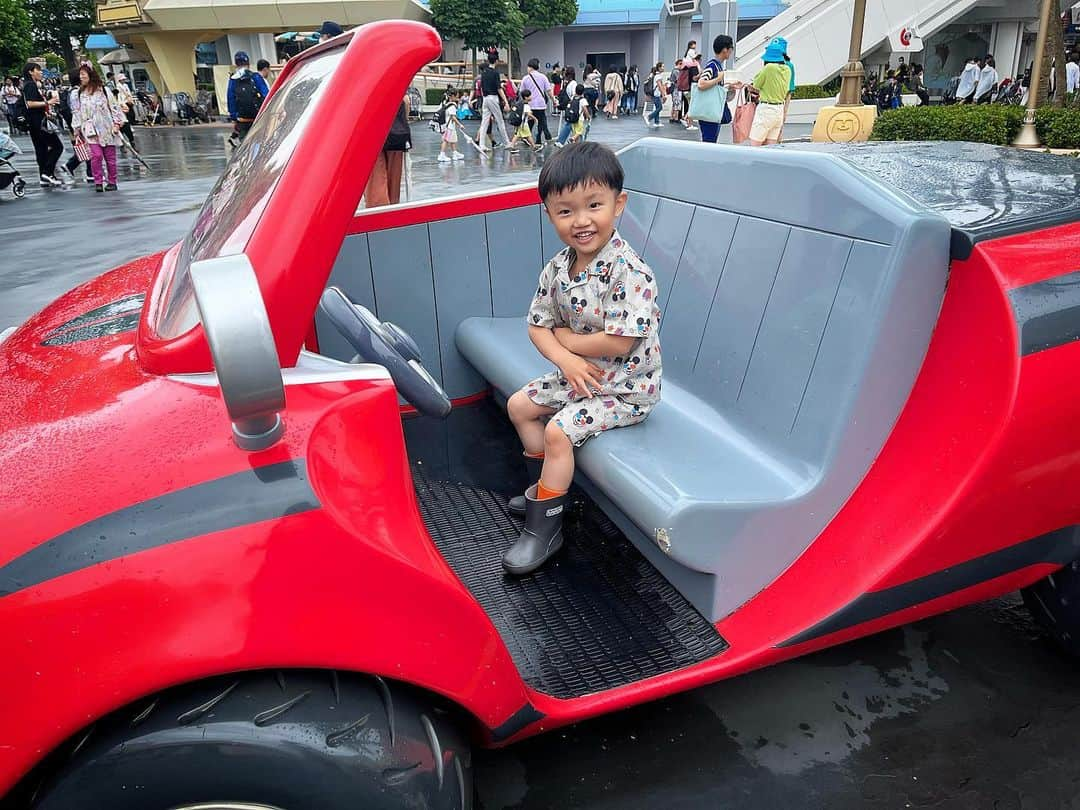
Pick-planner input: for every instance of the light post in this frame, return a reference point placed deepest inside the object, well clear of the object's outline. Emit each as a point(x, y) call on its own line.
point(852, 74)
point(849, 119)
point(1028, 137)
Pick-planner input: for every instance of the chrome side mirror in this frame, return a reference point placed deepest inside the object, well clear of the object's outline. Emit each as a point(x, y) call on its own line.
point(237, 328)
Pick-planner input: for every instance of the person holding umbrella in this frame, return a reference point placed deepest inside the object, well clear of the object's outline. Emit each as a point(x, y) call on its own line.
point(97, 119)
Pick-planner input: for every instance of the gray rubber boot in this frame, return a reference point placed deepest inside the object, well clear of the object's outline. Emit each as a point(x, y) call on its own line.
point(533, 466)
point(542, 536)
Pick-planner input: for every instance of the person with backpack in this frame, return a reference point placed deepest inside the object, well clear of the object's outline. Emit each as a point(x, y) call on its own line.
point(447, 120)
point(245, 95)
point(44, 132)
point(539, 91)
point(522, 117)
point(655, 92)
point(565, 99)
point(578, 116)
point(675, 92)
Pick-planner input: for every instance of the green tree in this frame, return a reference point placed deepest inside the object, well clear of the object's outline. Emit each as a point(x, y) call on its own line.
point(57, 22)
point(479, 23)
point(541, 15)
point(16, 38)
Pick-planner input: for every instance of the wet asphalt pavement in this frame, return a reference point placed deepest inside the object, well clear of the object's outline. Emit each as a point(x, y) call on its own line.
point(974, 709)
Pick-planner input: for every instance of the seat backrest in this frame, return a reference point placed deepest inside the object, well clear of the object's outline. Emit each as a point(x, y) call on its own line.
point(798, 294)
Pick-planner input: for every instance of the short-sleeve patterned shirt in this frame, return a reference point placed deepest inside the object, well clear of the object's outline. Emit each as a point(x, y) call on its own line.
point(616, 294)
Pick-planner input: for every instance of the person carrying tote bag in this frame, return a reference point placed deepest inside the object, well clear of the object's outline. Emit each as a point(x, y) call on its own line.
point(708, 103)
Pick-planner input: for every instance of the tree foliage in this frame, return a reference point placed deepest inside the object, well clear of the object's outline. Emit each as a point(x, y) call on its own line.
point(57, 22)
point(16, 38)
point(544, 14)
point(479, 23)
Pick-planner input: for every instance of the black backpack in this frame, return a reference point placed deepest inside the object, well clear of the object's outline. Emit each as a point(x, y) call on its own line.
point(517, 114)
point(247, 96)
point(440, 116)
point(573, 111)
point(22, 114)
point(564, 98)
point(650, 86)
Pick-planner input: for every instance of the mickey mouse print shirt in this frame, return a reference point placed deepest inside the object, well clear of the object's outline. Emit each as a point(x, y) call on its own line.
point(616, 294)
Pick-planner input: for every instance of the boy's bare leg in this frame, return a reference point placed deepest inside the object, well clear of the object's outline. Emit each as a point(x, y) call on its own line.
point(525, 416)
point(558, 469)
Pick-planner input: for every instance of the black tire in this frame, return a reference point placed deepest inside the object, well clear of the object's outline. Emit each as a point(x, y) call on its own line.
point(309, 740)
point(1055, 604)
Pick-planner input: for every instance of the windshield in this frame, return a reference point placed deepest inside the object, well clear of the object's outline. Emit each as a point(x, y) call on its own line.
point(237, 201)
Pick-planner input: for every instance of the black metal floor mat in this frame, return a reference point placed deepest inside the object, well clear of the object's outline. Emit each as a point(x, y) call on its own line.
point(596, 617)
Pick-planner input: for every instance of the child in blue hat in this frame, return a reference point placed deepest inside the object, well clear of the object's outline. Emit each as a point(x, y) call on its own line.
point(772, 83)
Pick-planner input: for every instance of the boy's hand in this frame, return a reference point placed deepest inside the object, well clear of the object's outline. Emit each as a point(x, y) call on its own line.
point(582, 375)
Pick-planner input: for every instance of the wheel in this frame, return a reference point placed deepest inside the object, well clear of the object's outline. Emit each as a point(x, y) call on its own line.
point(18, 188)
point(310, 740)
point(1055, 604)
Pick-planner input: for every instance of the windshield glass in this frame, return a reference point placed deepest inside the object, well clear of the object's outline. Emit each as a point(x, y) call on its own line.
point(237, 201)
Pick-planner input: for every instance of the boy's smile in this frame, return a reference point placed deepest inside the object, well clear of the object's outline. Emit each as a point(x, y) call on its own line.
point(584, 217)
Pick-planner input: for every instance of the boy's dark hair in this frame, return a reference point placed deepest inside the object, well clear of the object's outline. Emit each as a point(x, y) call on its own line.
point(579, 164)
point(721, 42)
point(262, 64)
point(493, 57)
point(579, 90)
point(534, 63)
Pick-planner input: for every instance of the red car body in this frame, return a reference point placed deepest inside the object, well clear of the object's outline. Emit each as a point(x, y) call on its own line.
point(96, 429)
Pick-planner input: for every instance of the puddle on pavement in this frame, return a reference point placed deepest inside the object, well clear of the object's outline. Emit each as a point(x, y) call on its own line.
point(790, 718)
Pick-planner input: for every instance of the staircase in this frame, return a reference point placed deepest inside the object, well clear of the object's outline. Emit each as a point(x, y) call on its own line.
point(819, 31)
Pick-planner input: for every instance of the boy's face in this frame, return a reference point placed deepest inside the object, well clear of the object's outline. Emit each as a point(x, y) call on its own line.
point(584, 216)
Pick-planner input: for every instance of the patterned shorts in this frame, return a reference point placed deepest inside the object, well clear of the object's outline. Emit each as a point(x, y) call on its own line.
point(579, 417)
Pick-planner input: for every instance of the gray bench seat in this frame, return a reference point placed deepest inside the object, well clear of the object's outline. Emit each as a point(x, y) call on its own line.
point(799, 297)
point(664, 473)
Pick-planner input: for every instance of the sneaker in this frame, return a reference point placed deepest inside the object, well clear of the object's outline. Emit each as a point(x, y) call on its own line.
point(100, 189)
point(444, 158)
point(49, 182)
point(691, 128)
point(558, 145)
point(513, 150)
point(457, 156)
point(538, 148)
point(88, 180)
point(111, 187)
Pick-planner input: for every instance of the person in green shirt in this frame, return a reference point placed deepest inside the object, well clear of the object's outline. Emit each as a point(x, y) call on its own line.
point(773, 84)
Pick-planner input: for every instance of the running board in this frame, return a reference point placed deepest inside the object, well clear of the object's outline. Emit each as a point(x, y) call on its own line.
point(597, 617)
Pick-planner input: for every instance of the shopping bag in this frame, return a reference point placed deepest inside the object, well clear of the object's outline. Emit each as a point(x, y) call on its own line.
point(82, 150)
point(744, 118)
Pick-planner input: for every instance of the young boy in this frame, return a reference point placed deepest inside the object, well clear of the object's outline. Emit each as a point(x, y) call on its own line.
point(528, 121)
point(580, 128)
point(595, 317)
point(450, 128)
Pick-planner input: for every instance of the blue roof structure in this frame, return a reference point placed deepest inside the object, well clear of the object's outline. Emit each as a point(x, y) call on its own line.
point(624, 12)
point(101, 42)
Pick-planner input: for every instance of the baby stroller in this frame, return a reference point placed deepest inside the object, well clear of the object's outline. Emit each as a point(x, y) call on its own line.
point(9, 175)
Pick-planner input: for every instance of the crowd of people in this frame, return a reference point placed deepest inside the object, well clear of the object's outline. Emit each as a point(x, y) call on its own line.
point(96, 114)
point(696, 92)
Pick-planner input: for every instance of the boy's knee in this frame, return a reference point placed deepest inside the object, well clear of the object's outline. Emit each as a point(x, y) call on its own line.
point(518, 406)
point(554, 438)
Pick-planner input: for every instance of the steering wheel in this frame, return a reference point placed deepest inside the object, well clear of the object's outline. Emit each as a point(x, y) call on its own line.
point(387, 345)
